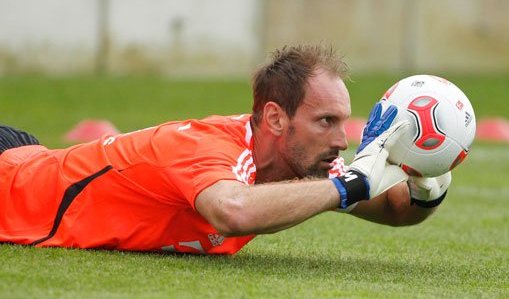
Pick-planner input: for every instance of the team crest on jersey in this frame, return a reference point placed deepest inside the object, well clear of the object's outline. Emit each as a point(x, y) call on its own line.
point(216, 239)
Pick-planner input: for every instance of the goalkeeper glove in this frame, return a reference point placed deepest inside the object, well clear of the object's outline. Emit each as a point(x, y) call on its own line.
point(369, 174)
point(429, 192)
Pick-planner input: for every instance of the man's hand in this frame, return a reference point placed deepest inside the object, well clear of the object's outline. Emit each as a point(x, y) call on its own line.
point(429, 192)
point(372, 161)
point(369, 175)
point(377, 124)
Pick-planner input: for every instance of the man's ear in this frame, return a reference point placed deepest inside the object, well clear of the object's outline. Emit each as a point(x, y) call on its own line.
point(275, 118)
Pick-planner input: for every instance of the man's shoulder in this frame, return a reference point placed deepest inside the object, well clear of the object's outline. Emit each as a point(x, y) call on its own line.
point(231, 121)
point(213, 121)
point(234, 128)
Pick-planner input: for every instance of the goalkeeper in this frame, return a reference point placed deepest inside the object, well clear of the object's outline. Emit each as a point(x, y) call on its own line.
point(209, 186)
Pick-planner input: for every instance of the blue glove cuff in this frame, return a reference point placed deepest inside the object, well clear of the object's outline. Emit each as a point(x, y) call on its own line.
point(342, 192)
point(352, 187)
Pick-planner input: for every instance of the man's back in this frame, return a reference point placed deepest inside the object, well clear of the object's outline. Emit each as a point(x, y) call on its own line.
point(133, 191)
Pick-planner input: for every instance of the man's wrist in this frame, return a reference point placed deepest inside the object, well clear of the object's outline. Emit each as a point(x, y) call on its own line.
point(352, 187)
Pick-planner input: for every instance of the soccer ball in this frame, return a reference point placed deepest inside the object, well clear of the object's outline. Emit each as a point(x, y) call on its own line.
point(442, 123)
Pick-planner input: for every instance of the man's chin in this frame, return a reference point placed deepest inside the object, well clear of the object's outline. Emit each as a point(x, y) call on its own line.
point(318, 172)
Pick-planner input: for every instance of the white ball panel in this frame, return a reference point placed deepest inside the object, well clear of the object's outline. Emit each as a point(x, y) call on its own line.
point(453, 116)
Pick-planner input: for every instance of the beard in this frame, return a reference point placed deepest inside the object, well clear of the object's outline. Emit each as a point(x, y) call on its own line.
point(297, 159)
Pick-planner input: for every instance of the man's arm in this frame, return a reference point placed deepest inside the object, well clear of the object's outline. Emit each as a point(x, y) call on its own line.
point(235, 209)
point(393, 208)
point(406, 203)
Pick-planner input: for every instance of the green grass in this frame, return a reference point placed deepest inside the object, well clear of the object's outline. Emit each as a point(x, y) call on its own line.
point(50, 107)
point(461, 252)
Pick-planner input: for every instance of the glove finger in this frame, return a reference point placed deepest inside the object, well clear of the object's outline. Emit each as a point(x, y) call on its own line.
point(387, 119)
point(444, 181)
point(372, 123)
point(420, 188)
point(375, 114)
point(429, 188)
point(369, 133)
point(421, 182)
point(389, 137)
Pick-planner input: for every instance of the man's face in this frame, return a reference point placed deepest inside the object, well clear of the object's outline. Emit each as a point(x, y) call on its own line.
point(316, 133)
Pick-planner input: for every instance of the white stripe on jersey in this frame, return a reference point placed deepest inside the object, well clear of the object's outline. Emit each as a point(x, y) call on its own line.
point(249, 133)
point(245, 167)
point(239, 117)
point(184, 127)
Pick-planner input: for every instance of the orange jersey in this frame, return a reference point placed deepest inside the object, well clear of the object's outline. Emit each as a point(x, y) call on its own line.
point(133, 191)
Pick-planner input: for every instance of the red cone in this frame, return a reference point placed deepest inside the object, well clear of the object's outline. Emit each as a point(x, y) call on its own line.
point(493, 129)
point(353, 128)
point(90, 129)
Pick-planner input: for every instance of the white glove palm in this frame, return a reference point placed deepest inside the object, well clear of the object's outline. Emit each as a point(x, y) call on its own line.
point(372, 161)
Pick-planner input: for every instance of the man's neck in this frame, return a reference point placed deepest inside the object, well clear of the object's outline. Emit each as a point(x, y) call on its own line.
point(269, 166)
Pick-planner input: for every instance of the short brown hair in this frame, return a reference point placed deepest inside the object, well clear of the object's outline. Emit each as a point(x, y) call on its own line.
point(283, 79)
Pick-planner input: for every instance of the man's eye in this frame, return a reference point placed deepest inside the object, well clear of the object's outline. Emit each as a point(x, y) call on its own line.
point(326, 120)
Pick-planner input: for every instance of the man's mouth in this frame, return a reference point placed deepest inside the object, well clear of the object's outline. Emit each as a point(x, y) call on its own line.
point(329, 161)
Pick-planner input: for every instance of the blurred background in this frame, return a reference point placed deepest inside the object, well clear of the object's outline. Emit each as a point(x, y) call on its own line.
point(139, 62)
point(229, 37)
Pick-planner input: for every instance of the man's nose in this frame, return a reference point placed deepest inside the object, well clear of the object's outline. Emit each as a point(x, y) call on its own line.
point(339, 139)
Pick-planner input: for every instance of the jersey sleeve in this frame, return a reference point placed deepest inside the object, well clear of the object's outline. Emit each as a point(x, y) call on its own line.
point(209, 159)
point(220, 161)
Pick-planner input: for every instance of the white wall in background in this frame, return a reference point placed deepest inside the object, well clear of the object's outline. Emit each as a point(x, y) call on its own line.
point(145, 35)
point(229, 37)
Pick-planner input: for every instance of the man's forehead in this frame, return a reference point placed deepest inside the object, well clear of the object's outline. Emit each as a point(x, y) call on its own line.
point(330, 108)
point(327, 93)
